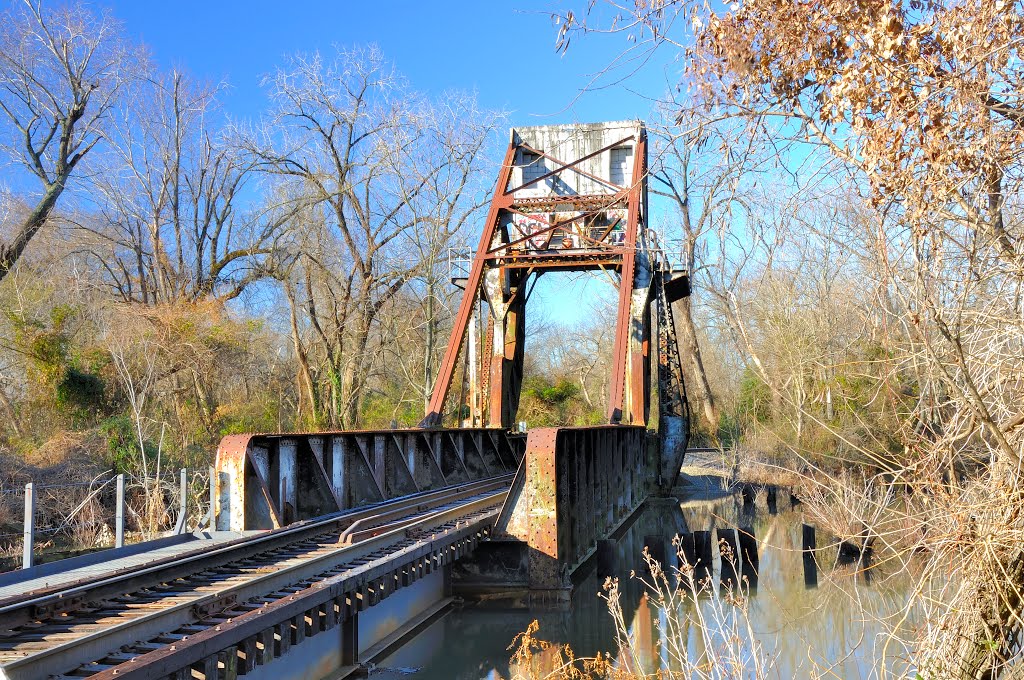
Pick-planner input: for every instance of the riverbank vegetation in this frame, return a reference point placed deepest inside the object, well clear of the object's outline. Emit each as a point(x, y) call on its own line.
point(171, 275)
point(704, 633)
point(849, 177)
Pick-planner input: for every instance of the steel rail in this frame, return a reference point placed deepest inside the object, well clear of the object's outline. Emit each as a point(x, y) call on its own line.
point(65, 657)
point(68, 597)
point(348, 591)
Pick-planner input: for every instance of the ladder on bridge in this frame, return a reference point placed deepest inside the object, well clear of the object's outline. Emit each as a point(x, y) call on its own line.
point(671, 381)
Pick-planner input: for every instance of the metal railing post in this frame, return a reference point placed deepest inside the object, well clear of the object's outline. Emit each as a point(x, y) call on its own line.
point(183, 520)
point(119, 514)
point(28, 539)
point(213, 491)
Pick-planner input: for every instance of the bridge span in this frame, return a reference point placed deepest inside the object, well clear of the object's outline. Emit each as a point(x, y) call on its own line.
point(325, 548)
point(231, 608)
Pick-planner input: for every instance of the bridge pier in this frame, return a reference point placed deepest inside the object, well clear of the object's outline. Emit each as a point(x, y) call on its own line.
point(575, 487)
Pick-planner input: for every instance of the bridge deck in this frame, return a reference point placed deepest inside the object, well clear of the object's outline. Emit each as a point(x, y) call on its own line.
point(226, 610)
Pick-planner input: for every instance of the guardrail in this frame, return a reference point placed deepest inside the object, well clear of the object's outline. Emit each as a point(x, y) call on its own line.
point(259, 477)
point(95, 491)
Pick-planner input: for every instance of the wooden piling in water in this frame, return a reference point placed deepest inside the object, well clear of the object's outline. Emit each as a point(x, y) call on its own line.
point(750, 563)
point(810, 564)
point(809, 542)
point(729, 557)
point(607, 558)
point(656, 549)
point(856, 550)
point(749, 495)
point(704, 565)
point(772, 499)
point(688, 546)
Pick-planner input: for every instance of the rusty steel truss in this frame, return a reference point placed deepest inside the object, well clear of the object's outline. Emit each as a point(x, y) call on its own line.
point(568, 198)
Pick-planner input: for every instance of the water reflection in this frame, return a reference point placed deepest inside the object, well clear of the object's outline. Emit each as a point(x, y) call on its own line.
point(834, 621)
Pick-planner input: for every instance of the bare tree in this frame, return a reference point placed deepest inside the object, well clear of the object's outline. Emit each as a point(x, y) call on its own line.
point(928, 122)
point(698, 169)
point(375, 164)
point(449, 160)
point(173, 224)
point(60, 71)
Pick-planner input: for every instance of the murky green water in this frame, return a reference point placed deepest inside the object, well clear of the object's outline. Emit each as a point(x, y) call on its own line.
point(841, 628)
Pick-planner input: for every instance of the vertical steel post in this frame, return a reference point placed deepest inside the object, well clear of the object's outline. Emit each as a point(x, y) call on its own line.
point(213, 505)
point(350, 640)
point(474, 380)
point(28, 539)
point(184, 501)
point(623, 371)
point(451, 355)
point(119, 514)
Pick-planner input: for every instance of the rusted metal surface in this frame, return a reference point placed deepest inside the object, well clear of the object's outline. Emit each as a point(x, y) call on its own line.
point(674, 408)
point(267, 481)
point(466, 307)
point(558, 206)
point(624, 371)
point(574, 487)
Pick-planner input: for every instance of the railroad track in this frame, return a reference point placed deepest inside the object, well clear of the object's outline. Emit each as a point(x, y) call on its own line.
point(165, 613)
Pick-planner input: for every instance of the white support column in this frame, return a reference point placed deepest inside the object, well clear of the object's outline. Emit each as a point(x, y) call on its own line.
point(183, 503)
point(338, 459)
point(119, 514)
point(474, 377)
point(213, 499)
point(288, 470)
point(29, 531)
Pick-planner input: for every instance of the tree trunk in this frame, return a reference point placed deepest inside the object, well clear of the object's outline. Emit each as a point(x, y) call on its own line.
point(353, 375)
point(307, 388)
point(428, 351)
point(9, 253)
point(12, 414)
point(698, 381)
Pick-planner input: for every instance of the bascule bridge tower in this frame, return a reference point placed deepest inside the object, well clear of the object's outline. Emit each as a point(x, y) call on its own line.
point(568, 198)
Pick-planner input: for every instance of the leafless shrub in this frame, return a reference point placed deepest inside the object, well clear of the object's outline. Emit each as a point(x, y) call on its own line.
point(720, 622)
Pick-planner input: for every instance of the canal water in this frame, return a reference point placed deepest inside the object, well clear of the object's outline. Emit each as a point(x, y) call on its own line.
point(847, 625)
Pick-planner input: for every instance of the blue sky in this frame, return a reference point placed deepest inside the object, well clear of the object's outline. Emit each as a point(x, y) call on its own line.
point(502, 50)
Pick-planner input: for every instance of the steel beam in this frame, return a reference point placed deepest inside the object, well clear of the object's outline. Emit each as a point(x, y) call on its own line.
point(269, 481)
point(625, 371)
point(469, 298)
point(575, 486)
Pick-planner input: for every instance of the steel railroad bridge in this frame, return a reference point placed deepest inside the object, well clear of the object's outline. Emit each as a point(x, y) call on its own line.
point(326, 548)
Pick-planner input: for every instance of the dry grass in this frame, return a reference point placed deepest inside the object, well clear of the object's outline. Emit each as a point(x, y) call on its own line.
point(694, 616)
point(75, 504)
